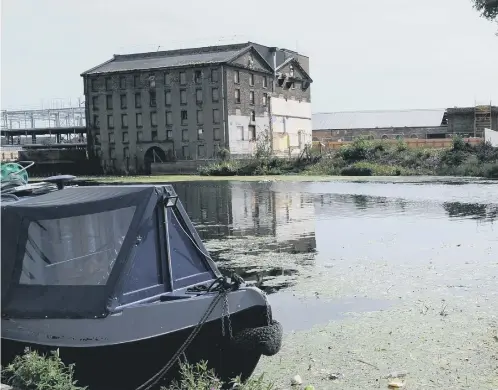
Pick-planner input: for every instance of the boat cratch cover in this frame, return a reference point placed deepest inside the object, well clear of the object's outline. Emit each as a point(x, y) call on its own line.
point(64, 252)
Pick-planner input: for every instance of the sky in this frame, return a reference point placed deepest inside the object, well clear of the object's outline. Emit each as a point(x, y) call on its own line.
point(364, 54)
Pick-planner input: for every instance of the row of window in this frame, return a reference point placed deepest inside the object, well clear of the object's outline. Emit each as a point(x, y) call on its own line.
point(169, 136)
point(251, 97)
point(201, 151)
point(150, 79)
point(153, 119)
point(215, 97)
point(236, 79)
point(198, 76)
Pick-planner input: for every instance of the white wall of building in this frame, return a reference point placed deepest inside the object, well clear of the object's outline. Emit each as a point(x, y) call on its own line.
point(239, 137)
point(292, 127)
point(291, 107)
point(491, 136)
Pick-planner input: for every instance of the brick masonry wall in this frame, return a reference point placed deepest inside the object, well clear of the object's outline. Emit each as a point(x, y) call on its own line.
point(170, 137)
point(244, 86)
point(392, 132)
point(297, 93)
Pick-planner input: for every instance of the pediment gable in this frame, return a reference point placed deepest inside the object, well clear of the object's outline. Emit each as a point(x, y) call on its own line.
point(249, 58)
point(293, 69)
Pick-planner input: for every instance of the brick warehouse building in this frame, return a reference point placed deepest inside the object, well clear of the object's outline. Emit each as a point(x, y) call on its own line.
point(395, 124)
point(190, 104)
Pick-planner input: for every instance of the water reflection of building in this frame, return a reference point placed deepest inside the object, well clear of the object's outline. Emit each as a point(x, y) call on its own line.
point(208, 205)
point(251, 209)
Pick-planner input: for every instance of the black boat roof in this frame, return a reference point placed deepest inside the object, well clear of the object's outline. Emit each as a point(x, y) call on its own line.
point(132, 210)
point(77, 196)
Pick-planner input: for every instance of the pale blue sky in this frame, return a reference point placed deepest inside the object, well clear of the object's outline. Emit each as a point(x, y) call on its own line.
point(364, 54)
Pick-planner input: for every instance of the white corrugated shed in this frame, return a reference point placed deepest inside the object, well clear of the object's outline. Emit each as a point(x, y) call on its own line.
point(377, 119)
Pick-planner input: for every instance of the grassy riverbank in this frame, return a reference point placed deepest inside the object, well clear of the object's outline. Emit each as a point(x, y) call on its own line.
point(374, 158)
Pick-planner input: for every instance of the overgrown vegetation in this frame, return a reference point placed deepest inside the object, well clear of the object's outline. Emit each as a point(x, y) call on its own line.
point(199, 377)
point(373, 158)
point(33, 371)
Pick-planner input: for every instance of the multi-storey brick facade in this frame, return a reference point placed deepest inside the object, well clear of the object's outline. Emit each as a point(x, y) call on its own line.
point(193, 103)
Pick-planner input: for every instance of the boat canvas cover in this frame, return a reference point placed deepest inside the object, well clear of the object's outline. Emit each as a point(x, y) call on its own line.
point(62, 252)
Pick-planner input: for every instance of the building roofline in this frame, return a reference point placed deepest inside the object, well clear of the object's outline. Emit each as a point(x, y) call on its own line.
point(240, 47)
point(185, 51)
point(98, 66)
point(373, 111)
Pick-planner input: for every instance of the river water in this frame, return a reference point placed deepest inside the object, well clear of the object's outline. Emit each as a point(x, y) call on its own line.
point(323, 249)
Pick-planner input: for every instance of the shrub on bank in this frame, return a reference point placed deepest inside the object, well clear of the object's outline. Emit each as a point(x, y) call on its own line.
point(33, 371)
point(223, 168)
point(365, 168)
point(365, 157)
point(199, 377)
point(254, 167)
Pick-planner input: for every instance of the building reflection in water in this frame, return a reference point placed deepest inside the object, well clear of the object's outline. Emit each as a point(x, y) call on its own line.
point(285, 218)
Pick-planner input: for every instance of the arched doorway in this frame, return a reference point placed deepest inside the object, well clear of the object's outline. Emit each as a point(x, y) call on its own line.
point(153, 154)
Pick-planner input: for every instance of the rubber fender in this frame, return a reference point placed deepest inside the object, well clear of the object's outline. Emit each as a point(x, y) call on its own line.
point(266, 340)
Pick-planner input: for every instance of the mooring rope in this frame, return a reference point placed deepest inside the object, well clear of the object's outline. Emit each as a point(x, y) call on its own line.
point(223, 284)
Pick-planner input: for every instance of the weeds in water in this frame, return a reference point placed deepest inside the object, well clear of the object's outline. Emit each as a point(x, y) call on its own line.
point(33, 371)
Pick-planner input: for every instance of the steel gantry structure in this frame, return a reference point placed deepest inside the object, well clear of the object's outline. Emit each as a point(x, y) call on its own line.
point(43, 118)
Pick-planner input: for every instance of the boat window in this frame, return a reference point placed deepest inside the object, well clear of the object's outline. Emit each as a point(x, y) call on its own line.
point(186, 259)
point(78, 250)
point(145, 271)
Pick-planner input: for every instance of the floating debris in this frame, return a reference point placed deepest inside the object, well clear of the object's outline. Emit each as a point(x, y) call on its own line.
point(336, 375)
point(296, 381)
point(396, 384)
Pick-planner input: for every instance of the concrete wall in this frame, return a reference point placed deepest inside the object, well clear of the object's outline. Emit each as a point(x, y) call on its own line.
point(461, 122)
point(390, 133)
point(56, 161)
point(491, 136)
point(178, 167)
point(292, 119)
point(240, 141)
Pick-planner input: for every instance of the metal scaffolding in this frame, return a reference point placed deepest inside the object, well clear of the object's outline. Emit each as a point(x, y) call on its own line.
point(44, 118)
point(482, 119)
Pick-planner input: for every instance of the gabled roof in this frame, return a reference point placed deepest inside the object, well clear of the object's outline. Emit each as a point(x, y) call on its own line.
point(295, 62)
point(187, 57)
point(168, 59)
point(378, 119)
point(258, 54)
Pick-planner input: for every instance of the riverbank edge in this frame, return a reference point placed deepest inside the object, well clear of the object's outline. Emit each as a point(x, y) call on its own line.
point(161, 179)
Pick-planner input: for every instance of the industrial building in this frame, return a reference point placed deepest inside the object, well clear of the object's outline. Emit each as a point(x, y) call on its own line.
point(398, 124)
point(195, 105)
